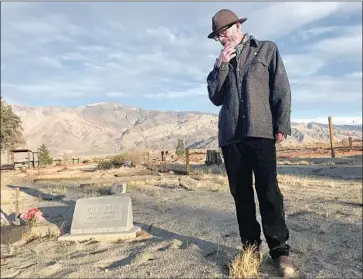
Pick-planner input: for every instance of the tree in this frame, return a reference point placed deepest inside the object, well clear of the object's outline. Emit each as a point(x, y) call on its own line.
point(11, 128)
point(180, 149)
point(44, 156)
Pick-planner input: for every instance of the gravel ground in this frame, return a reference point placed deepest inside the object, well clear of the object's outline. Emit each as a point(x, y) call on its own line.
point(194, 233)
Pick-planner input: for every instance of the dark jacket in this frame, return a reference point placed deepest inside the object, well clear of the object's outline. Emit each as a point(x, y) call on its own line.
point(254, 93)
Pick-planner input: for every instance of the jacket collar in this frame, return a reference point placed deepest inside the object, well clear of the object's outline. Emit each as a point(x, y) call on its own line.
point(249, 39)
point(253, 41)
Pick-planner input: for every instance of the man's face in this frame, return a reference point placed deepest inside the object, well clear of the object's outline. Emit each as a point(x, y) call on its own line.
point(228, 34)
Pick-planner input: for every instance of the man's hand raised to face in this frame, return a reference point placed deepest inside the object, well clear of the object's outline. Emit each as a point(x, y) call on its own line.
point(227, 53)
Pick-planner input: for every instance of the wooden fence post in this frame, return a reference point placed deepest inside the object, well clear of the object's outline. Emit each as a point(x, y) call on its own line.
point(38, 161)
point(29, 159)
point(331, 137)
point(162, 156)
point(187, 160)
point(17, 210)
point(350, 143)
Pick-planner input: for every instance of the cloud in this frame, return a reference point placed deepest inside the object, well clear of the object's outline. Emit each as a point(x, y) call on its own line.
point(354, 75)
point(9, 50)
point(116, 94)
point(302, 64)
point(103, 52)
point(350, 45)
point(311, 33)
point(50, 62)
point(279, 19)
point(53, 89)
point(327, 95)
point(42, 31)
point(194, 91)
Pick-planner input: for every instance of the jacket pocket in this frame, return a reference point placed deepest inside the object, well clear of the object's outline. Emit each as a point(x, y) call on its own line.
point(258, 69)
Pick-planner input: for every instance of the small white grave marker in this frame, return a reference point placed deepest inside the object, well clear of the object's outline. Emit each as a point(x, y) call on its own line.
point(102, 218)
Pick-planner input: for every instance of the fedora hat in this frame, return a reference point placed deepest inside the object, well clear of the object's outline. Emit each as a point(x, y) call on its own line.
point(222, 19)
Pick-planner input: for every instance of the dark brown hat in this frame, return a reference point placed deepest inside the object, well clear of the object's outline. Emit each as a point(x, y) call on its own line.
point(224, 18)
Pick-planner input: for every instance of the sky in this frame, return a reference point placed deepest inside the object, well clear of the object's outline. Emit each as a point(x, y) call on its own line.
point(157, 55)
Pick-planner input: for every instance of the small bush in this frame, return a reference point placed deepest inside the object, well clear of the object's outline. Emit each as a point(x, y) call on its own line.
point(180, 149)
point(113, 162)
point(118, 161)
point(105, 165)
point(44, 156)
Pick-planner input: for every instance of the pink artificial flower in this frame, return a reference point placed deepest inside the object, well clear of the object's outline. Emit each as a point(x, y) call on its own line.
point(39, 216)
point(32, 214)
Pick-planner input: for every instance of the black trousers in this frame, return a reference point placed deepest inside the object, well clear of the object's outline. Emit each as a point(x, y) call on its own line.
point(257, 156)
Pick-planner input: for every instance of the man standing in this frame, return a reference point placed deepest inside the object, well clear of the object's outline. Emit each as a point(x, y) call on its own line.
point(250, 84)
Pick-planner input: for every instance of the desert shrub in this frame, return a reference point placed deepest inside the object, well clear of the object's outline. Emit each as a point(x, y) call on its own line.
point(11, 135)
point(105, 165)
point(180, 149)
point(117, 161)
point(44, 156)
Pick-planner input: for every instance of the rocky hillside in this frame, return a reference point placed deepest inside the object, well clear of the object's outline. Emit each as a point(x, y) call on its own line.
point(109, 127)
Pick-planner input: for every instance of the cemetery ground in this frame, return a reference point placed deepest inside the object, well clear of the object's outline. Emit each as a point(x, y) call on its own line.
point(188, 223)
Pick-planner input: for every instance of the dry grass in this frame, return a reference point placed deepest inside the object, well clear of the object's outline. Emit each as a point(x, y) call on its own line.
point(316, 145)
point(246, 264)
point(55, 190)
point(140, 237)
point(142, 182)
point(218, 178)
point(324, 197)
point(308, 181)
point(221, 180)
point(161, 181)
point(287, 162)
point(203, 169)
point(289, 181)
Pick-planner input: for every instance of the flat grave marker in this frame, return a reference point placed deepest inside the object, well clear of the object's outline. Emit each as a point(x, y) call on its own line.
point(102, 218)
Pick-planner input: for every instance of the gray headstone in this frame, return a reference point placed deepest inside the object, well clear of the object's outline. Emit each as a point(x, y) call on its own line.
point(102, 214)
point(106, 216)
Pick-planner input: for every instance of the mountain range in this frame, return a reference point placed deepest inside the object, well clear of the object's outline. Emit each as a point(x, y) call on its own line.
point(110, 127)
